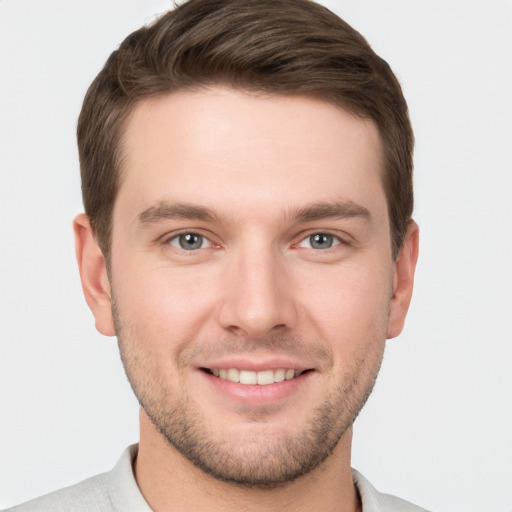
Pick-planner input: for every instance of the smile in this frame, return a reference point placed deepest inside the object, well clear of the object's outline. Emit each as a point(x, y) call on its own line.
point(248, 377)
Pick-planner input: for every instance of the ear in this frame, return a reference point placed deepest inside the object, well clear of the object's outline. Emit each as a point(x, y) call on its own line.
point(403, 280)
point(93, 273)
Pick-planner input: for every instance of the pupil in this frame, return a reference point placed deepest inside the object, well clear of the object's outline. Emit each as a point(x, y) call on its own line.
point(321, 241)
point(191, 241)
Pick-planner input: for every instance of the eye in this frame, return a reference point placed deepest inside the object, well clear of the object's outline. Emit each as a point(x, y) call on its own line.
point(189, 241)
point(320, 241)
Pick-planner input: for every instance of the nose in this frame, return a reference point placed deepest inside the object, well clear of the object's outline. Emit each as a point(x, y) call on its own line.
point(257, 295)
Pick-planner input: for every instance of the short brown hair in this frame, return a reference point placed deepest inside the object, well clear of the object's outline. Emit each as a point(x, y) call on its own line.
point(276, 46)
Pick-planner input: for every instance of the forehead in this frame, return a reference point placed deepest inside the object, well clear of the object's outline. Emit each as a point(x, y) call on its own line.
point(220, 147)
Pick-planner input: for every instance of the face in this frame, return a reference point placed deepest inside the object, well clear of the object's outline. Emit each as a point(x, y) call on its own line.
point(252, 281)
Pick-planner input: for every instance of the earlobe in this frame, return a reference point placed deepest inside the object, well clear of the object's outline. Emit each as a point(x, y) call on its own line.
point(403, 280)
point(93, 274)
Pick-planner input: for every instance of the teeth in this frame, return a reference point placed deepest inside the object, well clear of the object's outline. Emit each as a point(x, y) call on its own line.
point(247, 377)
point(279, 375)
point(262, 378)
point(234, 375)
point(266, 377)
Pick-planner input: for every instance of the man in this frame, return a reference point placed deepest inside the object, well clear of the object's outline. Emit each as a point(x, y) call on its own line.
point(247, 181)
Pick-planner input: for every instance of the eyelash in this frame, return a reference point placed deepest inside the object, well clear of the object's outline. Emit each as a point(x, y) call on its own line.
point(335, 241)
point(176, 238)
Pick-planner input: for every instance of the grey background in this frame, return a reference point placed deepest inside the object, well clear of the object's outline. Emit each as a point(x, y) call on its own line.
point(438, 428)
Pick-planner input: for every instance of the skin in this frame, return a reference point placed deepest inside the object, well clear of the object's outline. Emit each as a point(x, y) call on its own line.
point(256, 177)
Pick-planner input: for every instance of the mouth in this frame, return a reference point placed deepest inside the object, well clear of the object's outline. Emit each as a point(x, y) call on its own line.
point(261, 378)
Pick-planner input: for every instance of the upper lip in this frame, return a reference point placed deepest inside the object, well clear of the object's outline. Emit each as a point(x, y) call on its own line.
point(255, 365)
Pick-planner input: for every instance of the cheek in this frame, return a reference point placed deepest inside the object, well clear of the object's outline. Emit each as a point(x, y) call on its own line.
point(349, 306)
point(163, 305)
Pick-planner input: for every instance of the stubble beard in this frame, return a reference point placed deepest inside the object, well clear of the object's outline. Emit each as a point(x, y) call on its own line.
point(261, 461)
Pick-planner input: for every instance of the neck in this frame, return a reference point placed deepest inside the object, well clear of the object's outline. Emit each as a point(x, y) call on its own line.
point(168, 482)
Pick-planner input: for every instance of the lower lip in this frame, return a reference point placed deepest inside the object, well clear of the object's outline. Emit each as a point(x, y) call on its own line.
point(256, 394)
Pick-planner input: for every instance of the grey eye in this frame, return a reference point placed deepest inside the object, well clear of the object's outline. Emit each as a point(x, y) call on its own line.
point(321, 241)
point(189, 241)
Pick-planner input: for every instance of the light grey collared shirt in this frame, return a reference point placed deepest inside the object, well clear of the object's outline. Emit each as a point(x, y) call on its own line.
point(117, 491)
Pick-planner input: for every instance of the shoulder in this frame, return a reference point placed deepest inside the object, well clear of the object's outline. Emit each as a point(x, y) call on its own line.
point(375, 501)
point(115, 491)
point(91, 495)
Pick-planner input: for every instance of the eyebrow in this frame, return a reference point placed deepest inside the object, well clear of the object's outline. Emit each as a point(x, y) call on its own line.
point(168, 211)
point(317, 211)
point(339, 210)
